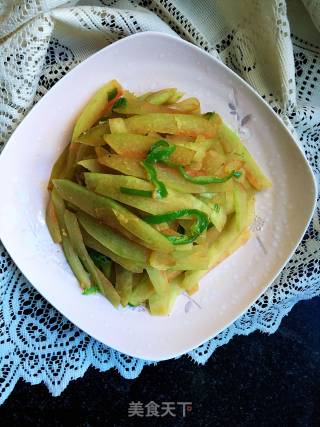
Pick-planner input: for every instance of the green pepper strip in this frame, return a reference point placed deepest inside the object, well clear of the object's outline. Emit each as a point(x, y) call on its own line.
point(99, 259)
point(120, 102)
point(91, 290)
point(201, 223)
point(161, 190)
point(202, 180)
point(159, 151)
point(112, 94)
point(209, 115)
point(135, 192)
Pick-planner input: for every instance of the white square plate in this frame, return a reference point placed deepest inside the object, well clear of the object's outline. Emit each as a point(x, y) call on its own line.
point(144, 62)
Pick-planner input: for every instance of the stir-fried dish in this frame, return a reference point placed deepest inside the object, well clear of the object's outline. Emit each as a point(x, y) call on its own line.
point(149, 195)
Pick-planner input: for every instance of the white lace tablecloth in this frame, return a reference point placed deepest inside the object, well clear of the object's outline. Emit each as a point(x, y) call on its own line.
point(273, 44)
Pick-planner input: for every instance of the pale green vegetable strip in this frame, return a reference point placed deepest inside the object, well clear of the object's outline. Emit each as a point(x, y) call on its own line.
point(109, 185)
point(174, 98)
point(59, 208)
point(94, 109)
point(75, 237)
point(251, 209)
point(176, 289)
point(194, 259)
point(84, 152)
point(75, 264)
point(92, 165)
point(87, 201)
point(148, 243)
point(159, 280)
point(212, 235)
point(94, 136)
point(229, 206)
point(108, 290)
point(145, 95)
point(52, 222)
point(112, 240)
point(117, 125)
point(97, 276)
point(232, 143)
point(212, 162)
point(126, 263)
point(90, 203)
point(218, 215)
point(161, 97)
point(97, 106)
point(142, 291)
point(159, 304)
point(200, 144)
point(129, 145)
point(70, 253)
point(176, 124)
point(127, 166)
point(134, 105)
point(219, 249)
point(123, 284)
point(181, 140)
point(194, 125)
point(59, 166)
point(241, 206)
point(71, 161)
point(225, 200)
point(188, 105)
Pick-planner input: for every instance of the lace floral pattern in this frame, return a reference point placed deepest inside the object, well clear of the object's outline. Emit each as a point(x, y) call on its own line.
point(36, 342)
